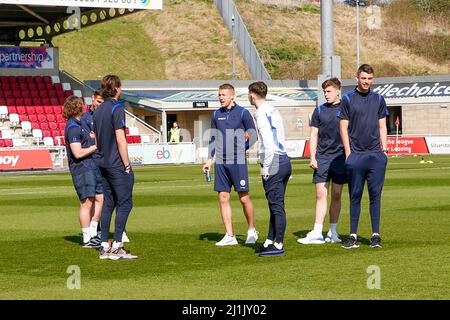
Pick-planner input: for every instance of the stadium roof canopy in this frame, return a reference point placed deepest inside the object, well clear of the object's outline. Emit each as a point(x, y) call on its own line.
point(34, 20)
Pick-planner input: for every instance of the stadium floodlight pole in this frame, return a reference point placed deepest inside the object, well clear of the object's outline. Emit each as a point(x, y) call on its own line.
point(233, 45)
point(357, 34)
point(326, 17)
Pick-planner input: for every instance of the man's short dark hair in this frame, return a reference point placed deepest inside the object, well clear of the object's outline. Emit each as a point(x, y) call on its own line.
point(333, 82)
point(259, 88)
point(367, 68)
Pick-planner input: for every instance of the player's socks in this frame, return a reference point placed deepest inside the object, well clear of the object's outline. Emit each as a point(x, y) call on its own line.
point(93, 227)
point(318, 229)
point(116, 245)
point(267, 243)
point(333, 227)
point(354, 235)
point(105, 245)
point(277, 245)
point(86, 234)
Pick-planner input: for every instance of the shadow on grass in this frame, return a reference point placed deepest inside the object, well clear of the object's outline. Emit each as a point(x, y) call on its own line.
point(302, 234)
point(215, 237)
point(78, 239)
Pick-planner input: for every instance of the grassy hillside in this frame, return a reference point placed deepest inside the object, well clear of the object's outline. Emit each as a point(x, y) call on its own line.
point(188, 40)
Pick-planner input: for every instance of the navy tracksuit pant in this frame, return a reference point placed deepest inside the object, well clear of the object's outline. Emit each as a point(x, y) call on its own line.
point(118, 194)
point(361, 167)
point(275, 188)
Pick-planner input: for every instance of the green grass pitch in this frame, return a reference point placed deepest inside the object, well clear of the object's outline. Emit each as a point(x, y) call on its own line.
point(175, 223)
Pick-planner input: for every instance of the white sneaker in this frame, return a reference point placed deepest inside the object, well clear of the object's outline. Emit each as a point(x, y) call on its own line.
point(252, 236)
point(227, 241)
point(125, 237)
point(311, 238)
point(332, 237)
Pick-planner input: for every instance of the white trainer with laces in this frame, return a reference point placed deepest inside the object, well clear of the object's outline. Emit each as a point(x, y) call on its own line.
point(332, 237)
point(252, 236)
point(227, 241)
point(311, 238)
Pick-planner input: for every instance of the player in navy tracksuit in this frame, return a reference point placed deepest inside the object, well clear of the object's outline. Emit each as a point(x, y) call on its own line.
point(115, 167)
point(328, 162)
point(275, 166)
point(229, 125)
point(85, 175)
point(87, 123)
point(364, 135)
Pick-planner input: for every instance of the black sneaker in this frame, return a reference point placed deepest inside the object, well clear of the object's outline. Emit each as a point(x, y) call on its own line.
point(375, 242)
point(350, 243)
point(271, 251)
point(92, 244)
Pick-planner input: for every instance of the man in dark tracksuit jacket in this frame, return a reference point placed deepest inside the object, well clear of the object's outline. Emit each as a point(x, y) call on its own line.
point(364, 135)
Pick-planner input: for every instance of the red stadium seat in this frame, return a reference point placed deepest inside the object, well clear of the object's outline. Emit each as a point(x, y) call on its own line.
point(59, 140)
point(54, 101)
point(12, 79)
point(38, 79)
point(42, 118)
point(34, 94)
point(10, 101)
point(2, 101)
point(61, 125)
point(21, 110)
point(23, 117)
point(45, 101)
point(68, 93)
point(2, 95)
point(26, 94)
point(32, 87)
point(8, 143)
point(39, 109)
point(20, 79)
point(48, 109)
point(55, 133)
point(41, 86)
point(8, 94)
point(29, 79)
point(60, 118)
point(30, 110)
point(44, 126)
point(46, 133)
point(35, 125)
point(12, 109)
point(57, 109)
point(47, 79)
point(33, 117)
point(36, 101)
point(17, 93)
point(58, 86)
point(62, 132)
point(19, 102)
point(27, 101)
point(51, 118)
point(43, 94)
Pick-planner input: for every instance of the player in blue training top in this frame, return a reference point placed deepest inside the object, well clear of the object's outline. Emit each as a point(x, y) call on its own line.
point(275, 166)
point(328, 162)
point(87, 122)
point(85, 175)
point(229, 125)
point(364, 135)
point(115, 167)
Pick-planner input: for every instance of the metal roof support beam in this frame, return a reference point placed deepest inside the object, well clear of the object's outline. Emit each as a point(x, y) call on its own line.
point(34, 14)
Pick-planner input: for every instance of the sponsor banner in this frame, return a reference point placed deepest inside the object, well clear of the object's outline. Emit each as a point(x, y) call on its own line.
point(438, 145)
point(128, 4)
point(295, 148)
point(162, 153)
point(25, 160)
point(410, 90)
point(407, 145)
point(26, 57)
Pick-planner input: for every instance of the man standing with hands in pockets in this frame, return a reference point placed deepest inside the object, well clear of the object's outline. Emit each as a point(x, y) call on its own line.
point(364, 135)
